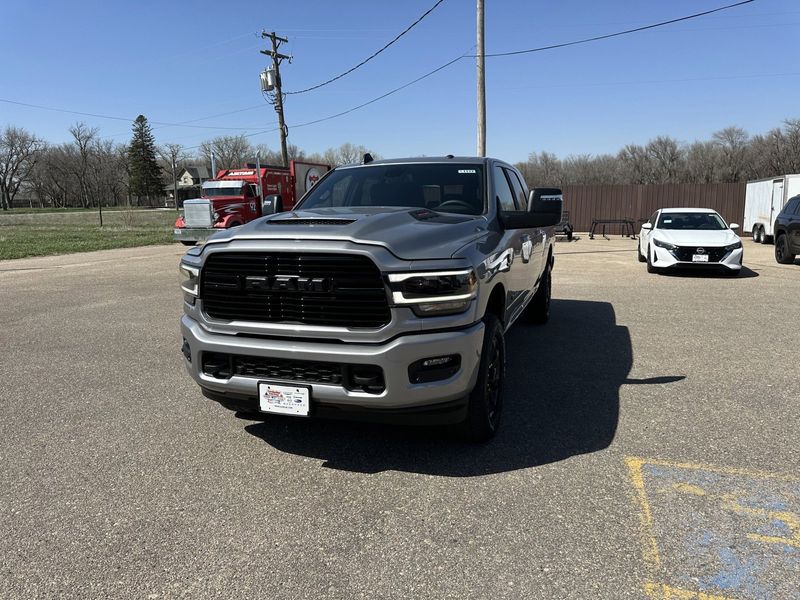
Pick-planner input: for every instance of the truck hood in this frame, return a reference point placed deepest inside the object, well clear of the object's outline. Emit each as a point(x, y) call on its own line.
point(408, 233)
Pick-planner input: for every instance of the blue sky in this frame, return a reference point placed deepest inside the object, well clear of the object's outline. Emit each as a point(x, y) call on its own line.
point(178, 61)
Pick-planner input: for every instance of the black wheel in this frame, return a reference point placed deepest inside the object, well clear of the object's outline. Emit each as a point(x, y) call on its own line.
point(639, 254)
point(782, 254)
point(538, 310)
point(486, 399)
point(188, 243)
point(763, 238)
point(650, 267)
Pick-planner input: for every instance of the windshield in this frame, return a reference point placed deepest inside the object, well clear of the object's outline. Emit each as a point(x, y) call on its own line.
point(452, 188)
point(223, 191)
point(691, 221)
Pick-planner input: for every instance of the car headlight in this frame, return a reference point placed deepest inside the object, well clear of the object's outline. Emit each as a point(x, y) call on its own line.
point(734, 246)
point(664, 245)
point(190, 278)
point(434, 293)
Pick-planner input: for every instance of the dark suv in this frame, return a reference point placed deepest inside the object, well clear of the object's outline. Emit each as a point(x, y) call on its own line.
point(787, 232)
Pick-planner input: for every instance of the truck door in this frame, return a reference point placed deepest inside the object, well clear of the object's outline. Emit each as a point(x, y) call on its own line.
point(518, 283)
point(777, 204)
point(533, 243)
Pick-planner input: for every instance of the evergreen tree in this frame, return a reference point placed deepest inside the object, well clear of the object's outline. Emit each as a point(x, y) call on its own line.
point(145, 174)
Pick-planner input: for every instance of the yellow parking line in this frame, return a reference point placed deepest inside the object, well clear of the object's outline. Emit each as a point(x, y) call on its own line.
point(637, 478)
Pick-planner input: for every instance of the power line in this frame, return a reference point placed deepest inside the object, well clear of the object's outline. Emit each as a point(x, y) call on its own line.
point(382, 96)
point(618, 33)
point(129, 120)
point(373, 55)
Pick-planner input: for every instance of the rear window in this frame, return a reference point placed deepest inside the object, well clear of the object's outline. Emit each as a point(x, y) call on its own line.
point(450, 188)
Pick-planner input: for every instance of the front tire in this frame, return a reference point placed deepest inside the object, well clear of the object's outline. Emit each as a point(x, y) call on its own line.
point(486, 399)
point(782, 254)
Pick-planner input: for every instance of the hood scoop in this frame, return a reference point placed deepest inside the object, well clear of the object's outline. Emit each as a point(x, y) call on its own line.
point(311, 221)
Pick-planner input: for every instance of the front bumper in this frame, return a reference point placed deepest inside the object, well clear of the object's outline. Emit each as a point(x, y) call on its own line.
point(399, 397)
point(665, 259)
point(193, 234)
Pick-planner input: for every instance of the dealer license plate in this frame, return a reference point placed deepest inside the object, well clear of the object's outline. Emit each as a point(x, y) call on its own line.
point(699, 257)
point(284, 399)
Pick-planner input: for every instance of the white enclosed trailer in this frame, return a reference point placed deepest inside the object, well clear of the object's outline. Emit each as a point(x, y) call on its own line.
point(764, 199)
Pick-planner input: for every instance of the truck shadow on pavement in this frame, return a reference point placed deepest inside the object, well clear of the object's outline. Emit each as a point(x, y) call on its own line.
point(562, 399)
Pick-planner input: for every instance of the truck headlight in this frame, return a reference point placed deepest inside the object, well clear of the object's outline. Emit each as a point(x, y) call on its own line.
point(190, 278)
point(434, 293)
point(734, 246)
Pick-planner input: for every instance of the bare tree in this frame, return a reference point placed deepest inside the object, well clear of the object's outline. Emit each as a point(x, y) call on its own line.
point(637, 162)
point(346, 154)
point(172, 158)
point(666, 159)
point(702, 163)
point(19, 152)
point(732, 144)
point(83, 137)
point(230, 151)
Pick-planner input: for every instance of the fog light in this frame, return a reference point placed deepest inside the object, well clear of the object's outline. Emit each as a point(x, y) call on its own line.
point(435, 368)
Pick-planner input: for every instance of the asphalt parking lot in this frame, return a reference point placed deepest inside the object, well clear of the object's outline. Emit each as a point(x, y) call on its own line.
point(649, 450)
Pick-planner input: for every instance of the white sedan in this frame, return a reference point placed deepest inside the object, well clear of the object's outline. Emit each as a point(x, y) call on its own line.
point(689, 238)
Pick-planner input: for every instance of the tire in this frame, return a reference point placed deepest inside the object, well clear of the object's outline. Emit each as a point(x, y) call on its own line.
point(538, 310)
point(188, 243)
point(782, 254)
point(486, 399)
point(757, 235)
point(639, 254)
point(763, 238)
point(650, 267)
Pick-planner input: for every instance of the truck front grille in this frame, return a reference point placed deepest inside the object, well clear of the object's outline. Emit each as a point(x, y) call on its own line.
point(343, 290)
point(197, 213)
point(362, 378)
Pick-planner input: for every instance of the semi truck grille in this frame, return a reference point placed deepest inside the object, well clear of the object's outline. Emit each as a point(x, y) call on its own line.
point(314, 289)
point(197, 213)
point(684, 253)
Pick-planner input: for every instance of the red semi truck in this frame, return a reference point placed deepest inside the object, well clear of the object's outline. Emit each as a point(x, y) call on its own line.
point(237, 196)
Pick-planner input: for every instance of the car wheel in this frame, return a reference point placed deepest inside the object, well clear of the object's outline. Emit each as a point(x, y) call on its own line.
point(650, 267)
point(639, 253)
point(538, 310)
point(757, 235)
point(486, 399)
point(782, 254)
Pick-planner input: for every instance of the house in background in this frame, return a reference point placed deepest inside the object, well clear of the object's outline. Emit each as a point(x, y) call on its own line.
point(190, 181)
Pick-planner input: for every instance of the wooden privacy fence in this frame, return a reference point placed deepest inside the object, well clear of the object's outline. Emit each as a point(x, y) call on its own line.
point(638, 202)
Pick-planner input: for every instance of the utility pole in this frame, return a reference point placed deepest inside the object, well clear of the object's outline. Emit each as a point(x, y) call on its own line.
point(481, 85)
point(278, 96)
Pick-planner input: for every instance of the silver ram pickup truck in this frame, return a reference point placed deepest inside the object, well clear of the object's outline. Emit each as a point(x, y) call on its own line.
point(385, 295)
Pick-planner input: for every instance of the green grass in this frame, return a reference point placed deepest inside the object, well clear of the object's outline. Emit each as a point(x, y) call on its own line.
point(19, 241)
point(39, 211)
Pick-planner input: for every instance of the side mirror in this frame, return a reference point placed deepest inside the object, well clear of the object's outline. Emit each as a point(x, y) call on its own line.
point(544, 210)
point(271, 204)
point(734, 226)
point(647, 225)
